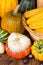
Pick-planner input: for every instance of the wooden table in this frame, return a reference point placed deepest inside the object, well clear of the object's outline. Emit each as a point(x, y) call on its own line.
point(5, 60)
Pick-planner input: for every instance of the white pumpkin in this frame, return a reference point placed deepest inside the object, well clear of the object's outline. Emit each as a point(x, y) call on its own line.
point(18, 42)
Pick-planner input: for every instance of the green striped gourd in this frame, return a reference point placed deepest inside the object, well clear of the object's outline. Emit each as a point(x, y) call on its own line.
point(3, 36)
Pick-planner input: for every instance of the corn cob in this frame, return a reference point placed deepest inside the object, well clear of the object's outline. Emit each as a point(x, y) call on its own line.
point(33, 12)
point(36, 21)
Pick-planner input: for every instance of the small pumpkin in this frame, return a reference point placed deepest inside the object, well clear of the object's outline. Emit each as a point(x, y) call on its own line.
point(18, 45)
point(7, 5)
point(12, 22)
point(37, 50)
point(26, 5)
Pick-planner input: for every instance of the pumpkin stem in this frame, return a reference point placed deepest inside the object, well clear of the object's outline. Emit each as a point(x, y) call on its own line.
point(16, 9)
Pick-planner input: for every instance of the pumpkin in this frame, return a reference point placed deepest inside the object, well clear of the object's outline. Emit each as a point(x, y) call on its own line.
point(26, 5)
point(7, 5)
point(3, 36)
point(12, 22)
point(18, 45)
point(37, 50)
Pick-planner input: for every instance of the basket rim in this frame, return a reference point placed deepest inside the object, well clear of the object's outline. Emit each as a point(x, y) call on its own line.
point(33, 34)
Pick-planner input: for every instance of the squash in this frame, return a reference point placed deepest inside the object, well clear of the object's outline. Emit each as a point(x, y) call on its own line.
point(3, 36)
point(37, 50)
point(26, 5)
point(7, 5)
point(12, 22)
point(18, 45)
point(33, 12)
point(2, 49)
point(35, 21)
point(39, 30)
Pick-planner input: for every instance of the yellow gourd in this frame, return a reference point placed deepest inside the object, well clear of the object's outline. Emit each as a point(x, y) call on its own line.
point(7, 5)
point(33, 12)
point(36, 21)
point(37, 50)
point(40, 30)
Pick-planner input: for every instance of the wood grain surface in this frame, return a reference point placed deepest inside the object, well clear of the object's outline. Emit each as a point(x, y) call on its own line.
point(5, 60)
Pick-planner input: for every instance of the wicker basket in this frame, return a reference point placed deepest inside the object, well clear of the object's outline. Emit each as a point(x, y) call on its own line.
point(34, 35)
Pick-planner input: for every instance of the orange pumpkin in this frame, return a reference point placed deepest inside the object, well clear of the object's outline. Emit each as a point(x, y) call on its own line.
point(12, 22)
point(7, 5)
